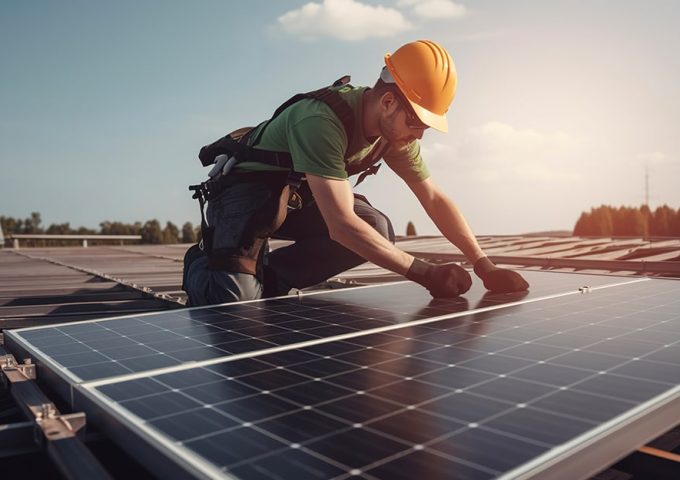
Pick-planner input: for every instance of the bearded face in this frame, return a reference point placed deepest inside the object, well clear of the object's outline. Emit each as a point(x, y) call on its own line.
point(394, 129)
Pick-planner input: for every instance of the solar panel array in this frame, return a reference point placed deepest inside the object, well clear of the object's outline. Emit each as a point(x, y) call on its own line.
point(98, 349)
point(450, 393)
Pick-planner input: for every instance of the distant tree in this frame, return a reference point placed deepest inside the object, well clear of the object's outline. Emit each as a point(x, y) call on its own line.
point(620, 218)
point(601, 220)
point(623, 221)
point(85, 231)
point(629, 221)
point(59, 229)
point(151, 232)
point(120, 228)
point(639, 225)
point(410, 229)
point(9, 224)
point(662, 221)
point(188, 233)
point(647, 213)
point(170, 233)
point(583, 225)
point(675, 225)
point(32, 225)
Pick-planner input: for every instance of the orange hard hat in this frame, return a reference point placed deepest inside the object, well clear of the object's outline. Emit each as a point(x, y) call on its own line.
point(424, 72)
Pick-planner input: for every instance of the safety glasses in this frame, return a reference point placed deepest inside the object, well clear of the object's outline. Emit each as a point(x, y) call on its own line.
point(412, 120)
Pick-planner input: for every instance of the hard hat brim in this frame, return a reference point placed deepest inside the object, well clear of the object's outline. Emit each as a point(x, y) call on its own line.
point(438, 122)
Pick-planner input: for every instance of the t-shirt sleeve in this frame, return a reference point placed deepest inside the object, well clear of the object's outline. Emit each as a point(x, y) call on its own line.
point(407, 163)
point(317, 144)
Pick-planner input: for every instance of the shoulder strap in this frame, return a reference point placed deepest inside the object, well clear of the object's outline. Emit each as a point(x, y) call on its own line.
point(238, 147)
point(330, 97)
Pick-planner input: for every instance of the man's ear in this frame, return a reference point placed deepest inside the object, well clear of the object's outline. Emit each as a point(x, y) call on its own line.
point(388, 101)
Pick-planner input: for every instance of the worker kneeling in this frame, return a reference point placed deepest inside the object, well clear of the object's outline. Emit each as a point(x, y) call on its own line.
point(288, 178)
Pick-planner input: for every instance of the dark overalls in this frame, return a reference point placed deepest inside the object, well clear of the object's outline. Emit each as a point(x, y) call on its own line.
point(312, 258)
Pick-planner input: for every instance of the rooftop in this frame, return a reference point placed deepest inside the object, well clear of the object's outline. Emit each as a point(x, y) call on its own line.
point(41, 286)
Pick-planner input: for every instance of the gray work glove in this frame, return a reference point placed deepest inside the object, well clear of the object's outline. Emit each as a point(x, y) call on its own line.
point(442, 280)
point(499, 280)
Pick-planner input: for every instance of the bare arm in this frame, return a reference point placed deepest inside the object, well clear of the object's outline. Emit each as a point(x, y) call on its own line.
point(336, 204)
point(448, 218)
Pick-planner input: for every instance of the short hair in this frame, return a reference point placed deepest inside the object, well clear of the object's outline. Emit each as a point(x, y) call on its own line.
point(381, 87)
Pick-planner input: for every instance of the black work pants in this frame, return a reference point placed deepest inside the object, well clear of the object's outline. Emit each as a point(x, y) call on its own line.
point(314, 257)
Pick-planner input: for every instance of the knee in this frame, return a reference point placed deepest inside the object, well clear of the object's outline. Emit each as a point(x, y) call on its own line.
point(381, 224)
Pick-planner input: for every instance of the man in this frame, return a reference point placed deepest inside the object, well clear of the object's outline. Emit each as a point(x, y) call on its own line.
point(325, 137)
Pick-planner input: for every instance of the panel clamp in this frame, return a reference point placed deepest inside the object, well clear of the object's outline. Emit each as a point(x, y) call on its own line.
point(11, 368)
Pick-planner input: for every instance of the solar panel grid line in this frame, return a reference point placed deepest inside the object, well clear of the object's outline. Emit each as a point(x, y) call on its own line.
point(423, 448)
point(105, 329)
point(241, 307)
point(265, 420)
point(198, 466)
point(209, 307)
point(502, 340)
point(136, 423)
point(346, 336)
point(549, 461)
point(595, 374)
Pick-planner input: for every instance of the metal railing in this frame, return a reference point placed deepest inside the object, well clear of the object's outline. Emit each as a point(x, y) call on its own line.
point(83, 238)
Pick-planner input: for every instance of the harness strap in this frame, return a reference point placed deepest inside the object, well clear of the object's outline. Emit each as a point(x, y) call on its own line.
point(368, 166)
point(372, 170)
point(236, 145)
point(206, 230)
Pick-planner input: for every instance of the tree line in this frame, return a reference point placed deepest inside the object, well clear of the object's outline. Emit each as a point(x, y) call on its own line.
point(607, 221)
point(151, 231)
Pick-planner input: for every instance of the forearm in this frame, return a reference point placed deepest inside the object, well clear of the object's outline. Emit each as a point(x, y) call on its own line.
point(451, 223)
point(357, 235)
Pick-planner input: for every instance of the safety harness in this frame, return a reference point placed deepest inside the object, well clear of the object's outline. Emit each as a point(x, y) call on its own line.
point(284, 184)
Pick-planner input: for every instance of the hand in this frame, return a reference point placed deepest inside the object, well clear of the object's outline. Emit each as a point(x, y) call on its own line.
point(499, 280)
point(442, 280)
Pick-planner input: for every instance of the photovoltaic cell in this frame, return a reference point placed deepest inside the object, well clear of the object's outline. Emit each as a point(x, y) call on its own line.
point(85, 351)
point(477, 396)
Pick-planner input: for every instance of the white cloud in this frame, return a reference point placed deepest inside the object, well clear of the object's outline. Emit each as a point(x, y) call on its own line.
point(434, 9)
point(498, 152)
point(343, 19)
point(497, 138)
point(657, 158)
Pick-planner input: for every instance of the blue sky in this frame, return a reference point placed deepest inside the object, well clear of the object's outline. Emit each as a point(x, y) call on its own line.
point(560, 104)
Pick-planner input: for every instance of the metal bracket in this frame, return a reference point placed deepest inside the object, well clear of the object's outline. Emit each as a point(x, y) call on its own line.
point(9, 366)
point(27, 369)
point(59, 434)
point(57, 427)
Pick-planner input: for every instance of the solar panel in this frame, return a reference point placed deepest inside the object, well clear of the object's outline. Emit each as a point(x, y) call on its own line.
point(90, 350)
point(504, 390)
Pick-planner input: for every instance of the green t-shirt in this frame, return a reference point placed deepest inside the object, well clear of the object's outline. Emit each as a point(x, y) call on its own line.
point(314, 136)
